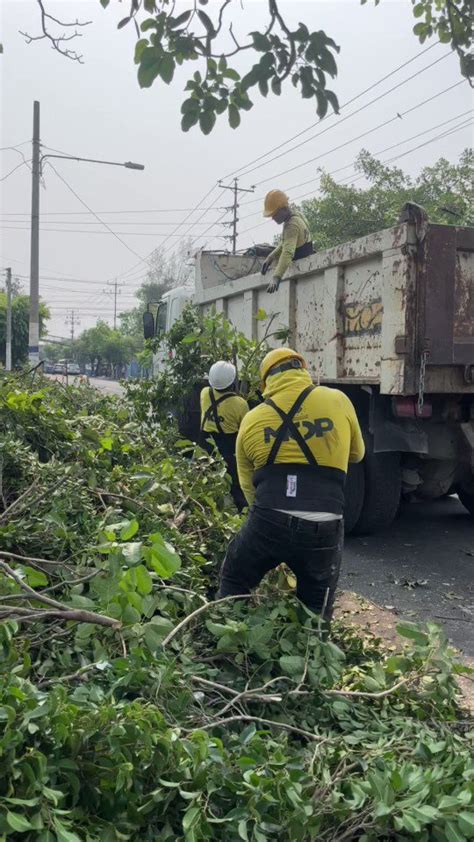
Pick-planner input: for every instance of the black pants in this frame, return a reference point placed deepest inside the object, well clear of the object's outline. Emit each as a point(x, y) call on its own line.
point(225, 444)
point(312, 550)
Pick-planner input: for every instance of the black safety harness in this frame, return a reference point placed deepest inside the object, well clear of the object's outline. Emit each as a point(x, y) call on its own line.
point(212, 413)
point(288, 425)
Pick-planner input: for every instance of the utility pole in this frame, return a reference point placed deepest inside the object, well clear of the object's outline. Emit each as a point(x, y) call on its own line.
point(33, 336)
point(73, 320)
point(37, 160)
point(235, 206)
point(8, 344)
point(115, 292)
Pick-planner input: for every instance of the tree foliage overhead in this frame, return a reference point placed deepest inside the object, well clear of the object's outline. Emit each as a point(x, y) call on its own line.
point(344, 212)
point(204, 34)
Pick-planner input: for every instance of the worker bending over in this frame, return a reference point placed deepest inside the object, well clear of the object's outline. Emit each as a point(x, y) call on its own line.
point(222, 411)
point(296, 239)
point(292, 457)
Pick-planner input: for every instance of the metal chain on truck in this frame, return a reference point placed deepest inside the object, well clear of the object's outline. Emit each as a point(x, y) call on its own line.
point(421, 382)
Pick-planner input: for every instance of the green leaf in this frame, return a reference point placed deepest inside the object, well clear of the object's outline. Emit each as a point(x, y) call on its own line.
point(149, 66)
point(18, 823)
point(292, 665)
point(124, 22)
point(418, 10)
point(167, 68)
point(143, 580)
point(140, 46)
point(276, 86)
point(260, 42)
point(104, 3)
point(466, 824)
point(35, 578)
point(206, 21)
point(163, 559)
point(156, 631)
point(322, 106)
point(411, 631)
point(452, 833)
point(180, 19)
point(190, 818)
point(207, 121)
point(132, 552)
point(189, 119)
point(63, 834)
point(129, 530)
point(234, 117)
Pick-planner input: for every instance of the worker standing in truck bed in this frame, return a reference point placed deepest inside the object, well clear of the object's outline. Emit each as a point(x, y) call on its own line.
point(296, 239)
point(222, 411)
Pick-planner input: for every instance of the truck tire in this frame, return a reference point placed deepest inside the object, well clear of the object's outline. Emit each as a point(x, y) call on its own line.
point(354, 496)
point(383, 485)
point(467, 499)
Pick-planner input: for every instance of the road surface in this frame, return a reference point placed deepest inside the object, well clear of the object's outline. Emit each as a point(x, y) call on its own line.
point(422, 567)
point(110, 387)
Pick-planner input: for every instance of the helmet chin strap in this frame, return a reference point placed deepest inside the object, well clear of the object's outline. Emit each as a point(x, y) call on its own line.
point(286, 366)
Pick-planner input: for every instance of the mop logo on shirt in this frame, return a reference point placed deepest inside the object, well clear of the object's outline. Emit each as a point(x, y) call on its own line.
point(308, 429)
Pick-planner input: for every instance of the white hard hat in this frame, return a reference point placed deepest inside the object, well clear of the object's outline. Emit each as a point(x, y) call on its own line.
point(222, 374)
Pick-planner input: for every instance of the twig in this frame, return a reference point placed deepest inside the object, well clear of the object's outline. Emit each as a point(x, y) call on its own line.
point(196, 613)
point(29, 560)
point(360, 694)
point(18, 500)
point(270, 722)
point(184, 590)
point(60, 610)
point(72, 614)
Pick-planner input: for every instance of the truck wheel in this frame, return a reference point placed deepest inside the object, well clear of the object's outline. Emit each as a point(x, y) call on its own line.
point(383, 484)
point(354, 496)
point(467, 499)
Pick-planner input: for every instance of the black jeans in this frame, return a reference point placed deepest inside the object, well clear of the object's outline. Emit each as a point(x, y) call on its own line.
point(312, 550)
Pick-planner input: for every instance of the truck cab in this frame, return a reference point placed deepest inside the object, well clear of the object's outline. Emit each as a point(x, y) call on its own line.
point(170, 309)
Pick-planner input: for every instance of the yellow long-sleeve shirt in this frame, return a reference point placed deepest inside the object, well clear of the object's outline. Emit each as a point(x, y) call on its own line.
point(295, 234)
point(327, 421)
point(231, 411)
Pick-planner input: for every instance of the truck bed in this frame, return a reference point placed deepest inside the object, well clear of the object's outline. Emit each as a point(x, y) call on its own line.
point(365, 312)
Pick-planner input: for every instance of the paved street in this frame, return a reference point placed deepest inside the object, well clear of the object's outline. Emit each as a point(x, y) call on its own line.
point(422, 567)
point(110, 387)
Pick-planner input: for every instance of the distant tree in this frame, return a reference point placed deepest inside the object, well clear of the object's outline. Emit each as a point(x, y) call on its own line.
point(168, 37)
point(344, 212)
point(20, 326)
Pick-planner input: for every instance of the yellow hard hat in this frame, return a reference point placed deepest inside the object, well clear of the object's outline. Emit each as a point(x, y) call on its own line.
point(275, 200)
point(276, 357)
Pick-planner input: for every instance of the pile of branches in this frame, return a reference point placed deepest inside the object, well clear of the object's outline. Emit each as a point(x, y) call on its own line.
point(134, 707)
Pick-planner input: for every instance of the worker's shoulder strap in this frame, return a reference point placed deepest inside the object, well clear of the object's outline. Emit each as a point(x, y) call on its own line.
point(289, 426)
point(212, 413)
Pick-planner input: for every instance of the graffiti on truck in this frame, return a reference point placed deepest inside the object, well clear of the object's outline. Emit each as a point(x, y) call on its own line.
point(362, 317)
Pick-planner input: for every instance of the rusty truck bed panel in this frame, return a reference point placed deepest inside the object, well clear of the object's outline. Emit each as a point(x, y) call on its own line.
point(364, 312)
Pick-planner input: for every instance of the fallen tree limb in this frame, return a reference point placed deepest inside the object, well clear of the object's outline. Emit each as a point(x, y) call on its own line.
point(272, 723)
point(198, 611)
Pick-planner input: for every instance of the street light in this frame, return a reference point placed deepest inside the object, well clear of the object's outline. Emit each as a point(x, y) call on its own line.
point(37, 161)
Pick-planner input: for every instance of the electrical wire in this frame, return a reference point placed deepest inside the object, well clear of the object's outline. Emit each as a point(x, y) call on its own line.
point(117, 237)
point(85, 213)
point(379, 152)
point(441, 136)
point(329, 116)
point(21, 164)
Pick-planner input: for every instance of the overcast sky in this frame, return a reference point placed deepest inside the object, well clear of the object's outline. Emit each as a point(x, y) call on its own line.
point(98, 110)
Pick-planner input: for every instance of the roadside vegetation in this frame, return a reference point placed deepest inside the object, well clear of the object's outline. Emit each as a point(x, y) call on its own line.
point(133, 707)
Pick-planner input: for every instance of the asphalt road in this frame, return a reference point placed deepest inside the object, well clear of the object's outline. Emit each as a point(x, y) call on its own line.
point(422, 567)
point(110, 387)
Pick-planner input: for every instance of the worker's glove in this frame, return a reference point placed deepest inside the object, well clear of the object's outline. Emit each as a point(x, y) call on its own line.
point(273, 285)
point(265, 266)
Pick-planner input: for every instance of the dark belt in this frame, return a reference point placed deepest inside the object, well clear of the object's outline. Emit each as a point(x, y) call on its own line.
point(299, 524)
point(304, 251)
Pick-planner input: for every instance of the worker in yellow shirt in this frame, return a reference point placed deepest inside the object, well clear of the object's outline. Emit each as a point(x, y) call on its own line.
point(296, 239)
point(293, 452)
point(222, 411)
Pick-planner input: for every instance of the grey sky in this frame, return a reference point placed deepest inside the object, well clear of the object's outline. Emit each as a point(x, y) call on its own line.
point(98, 110)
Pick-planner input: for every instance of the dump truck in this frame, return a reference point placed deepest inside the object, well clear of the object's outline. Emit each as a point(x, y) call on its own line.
point(389, 320)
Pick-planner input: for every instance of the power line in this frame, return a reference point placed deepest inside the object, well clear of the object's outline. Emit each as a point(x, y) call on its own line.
point(14, 147)
point(379, 152)
point(388, 160)
point(85, 213)
point(116, 234)
point(117, 237)
point(21, 164)
point(79, 222)
point(344, 105)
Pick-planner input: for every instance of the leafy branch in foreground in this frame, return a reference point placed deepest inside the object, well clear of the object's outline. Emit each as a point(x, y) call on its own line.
point(241, 720)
